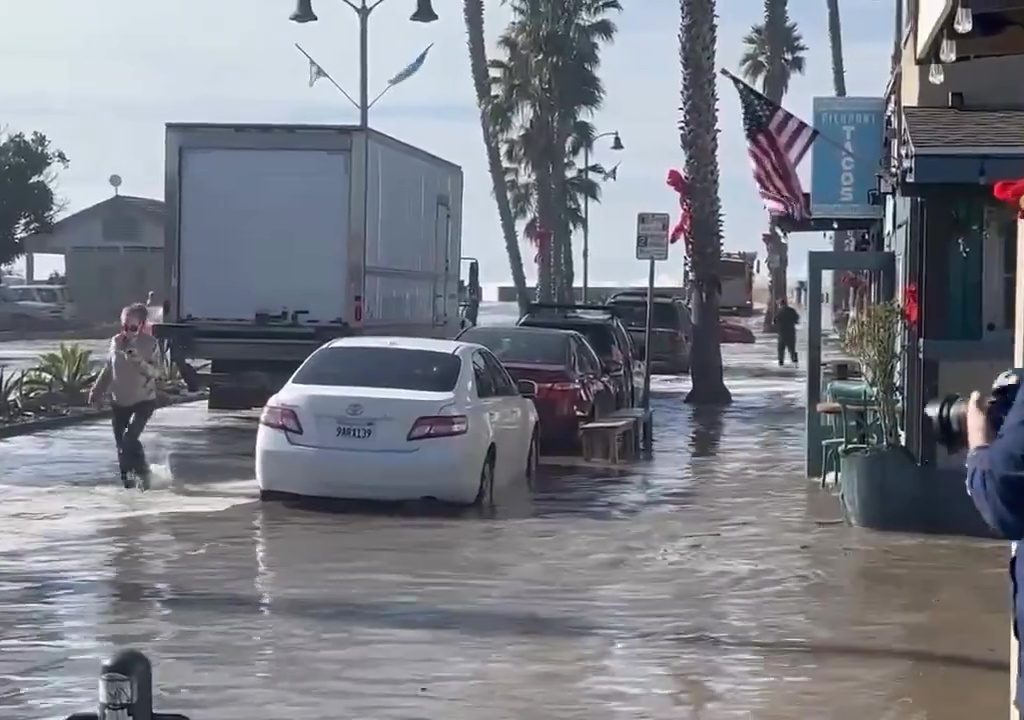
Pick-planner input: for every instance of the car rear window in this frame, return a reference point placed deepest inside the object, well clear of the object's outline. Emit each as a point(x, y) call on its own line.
point(634, 314)
point(381, 367)
point(518, 346)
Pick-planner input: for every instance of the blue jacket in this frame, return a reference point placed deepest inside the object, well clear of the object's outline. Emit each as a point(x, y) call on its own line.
point(995, 480)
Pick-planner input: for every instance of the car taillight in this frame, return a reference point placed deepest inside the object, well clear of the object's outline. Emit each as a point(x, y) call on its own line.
point(438, 426)
point(281, 418)
point(556, 388)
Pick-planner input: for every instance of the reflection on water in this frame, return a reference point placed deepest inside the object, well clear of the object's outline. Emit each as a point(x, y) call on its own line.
point(710, 582)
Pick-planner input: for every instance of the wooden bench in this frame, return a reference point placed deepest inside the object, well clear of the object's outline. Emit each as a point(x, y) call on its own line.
point(643, 419)
point(612, 438)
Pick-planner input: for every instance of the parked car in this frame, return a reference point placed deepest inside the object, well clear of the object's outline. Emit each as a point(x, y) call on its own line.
point(572, 387)
point(379, 418)
point(51, 296)
point(606, 334)
point(735, 332)
point(671, 329)
point(18, 313)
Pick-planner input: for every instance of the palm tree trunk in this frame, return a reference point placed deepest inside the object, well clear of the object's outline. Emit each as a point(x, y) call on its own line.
point(699, 140)
point(840, 238)
point(473, 11)
point(835, 39)
point(775, 15)
point(563, 231)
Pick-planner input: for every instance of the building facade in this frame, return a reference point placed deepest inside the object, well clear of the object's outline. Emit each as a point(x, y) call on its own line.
point(113, 255)
point(954, 127)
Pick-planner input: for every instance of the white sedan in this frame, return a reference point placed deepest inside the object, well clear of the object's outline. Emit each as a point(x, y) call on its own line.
point(379, 418)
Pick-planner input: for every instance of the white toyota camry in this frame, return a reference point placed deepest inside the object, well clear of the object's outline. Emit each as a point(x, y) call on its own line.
point(383, 418)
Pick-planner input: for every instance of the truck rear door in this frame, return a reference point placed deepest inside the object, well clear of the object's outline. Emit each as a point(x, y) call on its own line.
point(263, 231)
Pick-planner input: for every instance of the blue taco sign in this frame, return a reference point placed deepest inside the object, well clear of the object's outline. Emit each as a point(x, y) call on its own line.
point(846, 157)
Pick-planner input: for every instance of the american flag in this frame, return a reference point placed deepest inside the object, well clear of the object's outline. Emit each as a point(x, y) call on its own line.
point(777, 141)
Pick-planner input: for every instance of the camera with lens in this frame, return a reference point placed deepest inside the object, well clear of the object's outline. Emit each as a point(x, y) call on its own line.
point(948, 415)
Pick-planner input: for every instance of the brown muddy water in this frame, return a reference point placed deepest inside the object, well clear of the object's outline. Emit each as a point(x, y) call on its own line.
point(713, 582)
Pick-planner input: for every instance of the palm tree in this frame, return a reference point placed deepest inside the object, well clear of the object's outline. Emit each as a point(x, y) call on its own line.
point(546, 83)
point(473, 11)
point(755, 59)
point(774, 53)
point(699, 140)
point(776, 32)
point(523, 191)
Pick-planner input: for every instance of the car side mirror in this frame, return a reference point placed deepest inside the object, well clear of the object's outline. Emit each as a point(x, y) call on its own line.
point(527, 388)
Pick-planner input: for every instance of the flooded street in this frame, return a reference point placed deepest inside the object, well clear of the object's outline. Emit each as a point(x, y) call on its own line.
point(713, 582)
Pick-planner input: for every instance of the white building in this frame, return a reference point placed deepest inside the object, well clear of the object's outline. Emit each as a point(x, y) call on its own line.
point(113, 254)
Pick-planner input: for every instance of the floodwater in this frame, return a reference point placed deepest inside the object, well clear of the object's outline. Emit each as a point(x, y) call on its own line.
point(713, 582)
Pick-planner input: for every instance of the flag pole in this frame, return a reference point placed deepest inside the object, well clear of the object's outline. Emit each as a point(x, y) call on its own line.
point(314, 63)
point(821, 135)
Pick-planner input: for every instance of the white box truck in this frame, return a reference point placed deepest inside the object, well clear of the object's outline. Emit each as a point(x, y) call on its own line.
point(282, 237)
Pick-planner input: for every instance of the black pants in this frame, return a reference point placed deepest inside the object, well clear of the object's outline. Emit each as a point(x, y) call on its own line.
point(787, 343)
point(129, 422)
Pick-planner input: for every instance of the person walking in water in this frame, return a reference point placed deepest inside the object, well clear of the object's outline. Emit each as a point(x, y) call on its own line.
point(786, 320)
point(129, 377)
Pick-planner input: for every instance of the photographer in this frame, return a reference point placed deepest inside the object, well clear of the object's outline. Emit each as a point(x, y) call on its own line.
point(995, 482)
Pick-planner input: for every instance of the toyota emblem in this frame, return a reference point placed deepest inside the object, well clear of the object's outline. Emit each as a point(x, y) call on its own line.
point(354, 410)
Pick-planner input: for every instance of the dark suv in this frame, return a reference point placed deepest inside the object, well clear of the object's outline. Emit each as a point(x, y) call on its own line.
point(606, 334)
point(671, 329)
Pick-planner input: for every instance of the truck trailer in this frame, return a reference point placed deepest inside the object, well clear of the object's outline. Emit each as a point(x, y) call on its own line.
point(282, 237)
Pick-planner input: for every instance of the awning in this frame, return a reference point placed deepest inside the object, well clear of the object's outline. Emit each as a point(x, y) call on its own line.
point(949, 145)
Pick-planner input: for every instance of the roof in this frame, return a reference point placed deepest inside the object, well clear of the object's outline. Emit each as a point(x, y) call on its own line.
point(949, 131)
point(406, 343)
point(152, 209)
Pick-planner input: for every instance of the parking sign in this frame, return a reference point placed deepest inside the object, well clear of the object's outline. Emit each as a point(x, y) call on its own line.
point(652, 236)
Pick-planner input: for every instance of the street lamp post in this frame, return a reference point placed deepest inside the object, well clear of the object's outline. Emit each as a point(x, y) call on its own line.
point(304, 14)
point(616, 145)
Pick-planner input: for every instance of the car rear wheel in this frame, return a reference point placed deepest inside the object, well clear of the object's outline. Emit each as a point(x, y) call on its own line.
point(532, 460)
point(485, 493)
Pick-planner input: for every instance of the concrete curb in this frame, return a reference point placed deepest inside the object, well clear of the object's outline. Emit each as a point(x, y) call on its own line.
point(79, 416)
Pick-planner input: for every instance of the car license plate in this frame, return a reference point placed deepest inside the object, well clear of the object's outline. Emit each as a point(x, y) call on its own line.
point(355, 432)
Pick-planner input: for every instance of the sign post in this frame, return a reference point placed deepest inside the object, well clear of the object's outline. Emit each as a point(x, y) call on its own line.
point(651, 245)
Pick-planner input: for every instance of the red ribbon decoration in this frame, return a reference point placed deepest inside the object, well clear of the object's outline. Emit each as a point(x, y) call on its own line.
point(678, 182)
point(540, 237)
point(1012, 193)
point(911, 305)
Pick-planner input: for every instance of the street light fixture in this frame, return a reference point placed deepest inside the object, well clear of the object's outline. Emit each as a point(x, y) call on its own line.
point(616, 145)
point(424, 13)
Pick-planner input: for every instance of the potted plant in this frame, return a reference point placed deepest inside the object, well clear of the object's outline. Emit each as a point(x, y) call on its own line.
point(880, 485)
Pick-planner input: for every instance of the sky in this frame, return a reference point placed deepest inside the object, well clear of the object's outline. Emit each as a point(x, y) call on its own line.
point(102, 83)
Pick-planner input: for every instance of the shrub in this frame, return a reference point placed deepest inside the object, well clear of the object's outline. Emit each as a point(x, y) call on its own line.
point(66, 373)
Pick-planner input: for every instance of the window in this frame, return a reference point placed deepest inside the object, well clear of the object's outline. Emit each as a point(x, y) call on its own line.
point(516, 345)
point(964, 257)
point(634, 314)
point(484, 382)
point(381, 367)
point(503, 383)
point(589, 363)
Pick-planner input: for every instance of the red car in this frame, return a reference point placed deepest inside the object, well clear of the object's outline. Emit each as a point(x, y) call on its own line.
point(571, 386)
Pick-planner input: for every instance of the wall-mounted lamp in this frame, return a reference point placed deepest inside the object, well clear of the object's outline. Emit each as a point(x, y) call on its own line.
point(947, 51)
point(963, 21)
